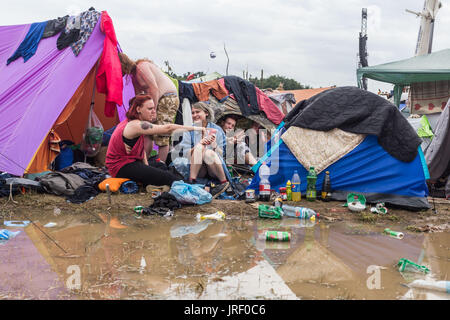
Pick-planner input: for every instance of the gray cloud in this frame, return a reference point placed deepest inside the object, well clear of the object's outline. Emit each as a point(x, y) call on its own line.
point(312, 41)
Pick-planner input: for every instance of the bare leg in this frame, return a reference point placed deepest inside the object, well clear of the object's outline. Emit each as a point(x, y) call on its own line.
point(214, 165)
point(196, 161)
point(250, 159)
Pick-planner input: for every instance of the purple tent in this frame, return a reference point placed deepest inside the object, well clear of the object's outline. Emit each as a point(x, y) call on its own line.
point(34, 93)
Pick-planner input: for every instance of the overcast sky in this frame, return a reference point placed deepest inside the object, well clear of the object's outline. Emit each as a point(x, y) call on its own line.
point(312, 41)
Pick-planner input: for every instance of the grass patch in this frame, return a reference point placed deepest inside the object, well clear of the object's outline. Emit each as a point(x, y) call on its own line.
point(393, 217)
point(368, 217)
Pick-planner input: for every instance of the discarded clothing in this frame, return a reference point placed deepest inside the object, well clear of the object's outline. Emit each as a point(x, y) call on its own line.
point(70, 34)
point(186, 90)
point(203, 89)
point(269, 107)
point(88, 21)
point(55, 26)
point(82, 194)
point(162, 204)
point(60, 183)
point(244, 93)
point(358, 111)
point(28, 46)
point(109, 73)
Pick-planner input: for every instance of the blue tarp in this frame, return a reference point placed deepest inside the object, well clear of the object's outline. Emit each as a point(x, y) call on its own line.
point(367, 169)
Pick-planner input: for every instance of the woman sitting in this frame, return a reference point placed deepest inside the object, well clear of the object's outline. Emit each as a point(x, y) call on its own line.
point(131, 141)
point(204, 151)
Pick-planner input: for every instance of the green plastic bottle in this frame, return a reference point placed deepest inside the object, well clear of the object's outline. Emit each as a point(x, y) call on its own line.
point(311, 185)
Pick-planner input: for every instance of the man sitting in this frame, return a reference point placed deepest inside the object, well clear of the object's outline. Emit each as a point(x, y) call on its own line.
point(236, 140)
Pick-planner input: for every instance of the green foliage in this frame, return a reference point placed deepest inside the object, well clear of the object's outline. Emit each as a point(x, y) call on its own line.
point(274, 82)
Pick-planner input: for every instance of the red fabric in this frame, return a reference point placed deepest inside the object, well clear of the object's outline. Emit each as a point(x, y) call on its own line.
point(109, 73)
point(222, 82)
point(269, 107)
point(116, 156)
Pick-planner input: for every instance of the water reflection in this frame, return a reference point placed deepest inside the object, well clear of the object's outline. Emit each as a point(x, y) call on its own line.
point(180, 258)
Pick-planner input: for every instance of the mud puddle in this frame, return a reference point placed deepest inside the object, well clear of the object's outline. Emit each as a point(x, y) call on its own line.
point(91, 256)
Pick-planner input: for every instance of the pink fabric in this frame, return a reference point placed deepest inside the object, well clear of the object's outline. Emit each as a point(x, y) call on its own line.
point(109, 74)
point(117, 156)
point(269, 107)
point(222, 83)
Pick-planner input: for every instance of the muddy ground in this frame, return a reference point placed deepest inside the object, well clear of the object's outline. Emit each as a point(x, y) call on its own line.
point(326, 260)
point(435, 219)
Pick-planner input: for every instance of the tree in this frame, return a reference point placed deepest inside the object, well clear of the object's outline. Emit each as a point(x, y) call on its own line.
point(274, 82)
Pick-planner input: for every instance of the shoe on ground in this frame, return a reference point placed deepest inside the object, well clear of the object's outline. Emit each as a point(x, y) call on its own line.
point(150, 187)
point(219, 189)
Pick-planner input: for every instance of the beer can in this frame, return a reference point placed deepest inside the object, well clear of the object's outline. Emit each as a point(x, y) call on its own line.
point(138, 209)
point(278, 236)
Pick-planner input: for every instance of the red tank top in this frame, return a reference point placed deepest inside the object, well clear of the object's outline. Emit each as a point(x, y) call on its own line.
point(117, 156)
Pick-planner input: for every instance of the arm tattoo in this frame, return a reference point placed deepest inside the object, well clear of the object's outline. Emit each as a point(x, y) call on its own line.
point(146, 125)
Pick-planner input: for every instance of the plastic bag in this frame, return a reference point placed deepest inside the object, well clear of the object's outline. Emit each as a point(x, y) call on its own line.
point(93, 136)
point(186, 193)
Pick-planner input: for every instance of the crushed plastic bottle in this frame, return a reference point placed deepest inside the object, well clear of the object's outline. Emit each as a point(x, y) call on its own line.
point(299, 212)
point(143, 265)
point(16, 223)
point(6, 234)
point(219, 216)
point(443, 286)
point(405, 265)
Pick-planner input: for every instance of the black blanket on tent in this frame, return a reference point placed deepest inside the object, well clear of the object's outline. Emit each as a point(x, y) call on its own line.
point(358, 111)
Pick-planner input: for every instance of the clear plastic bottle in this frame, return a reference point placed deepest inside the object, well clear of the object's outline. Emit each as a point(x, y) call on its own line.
point(299, 212)
point(264, 184)
point(295, 187)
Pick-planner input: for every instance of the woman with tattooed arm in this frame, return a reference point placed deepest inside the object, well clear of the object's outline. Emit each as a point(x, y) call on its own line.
point(127, 150)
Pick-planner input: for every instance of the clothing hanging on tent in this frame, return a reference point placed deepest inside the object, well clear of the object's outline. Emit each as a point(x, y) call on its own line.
point(70, 34)
point(28, 46)
point(88, 20)
point(269, 107)
point(109, 75)
point(186, 90)
point(202, 90)
point(244, 93)
point(54, 26)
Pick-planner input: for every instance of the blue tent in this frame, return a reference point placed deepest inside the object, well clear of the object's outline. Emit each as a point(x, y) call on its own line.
point(368, 169)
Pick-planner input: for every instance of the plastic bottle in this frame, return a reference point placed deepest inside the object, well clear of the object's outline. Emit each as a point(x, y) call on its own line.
point(311, 184)
point(219, 216)
point(443, 286)
point(405, 265)
point(295, 187)
point(299, 212)
point(326, 187)
point(288, 191)
point(264, 184)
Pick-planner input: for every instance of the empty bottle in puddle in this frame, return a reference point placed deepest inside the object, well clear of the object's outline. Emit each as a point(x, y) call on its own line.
point(299, 212)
